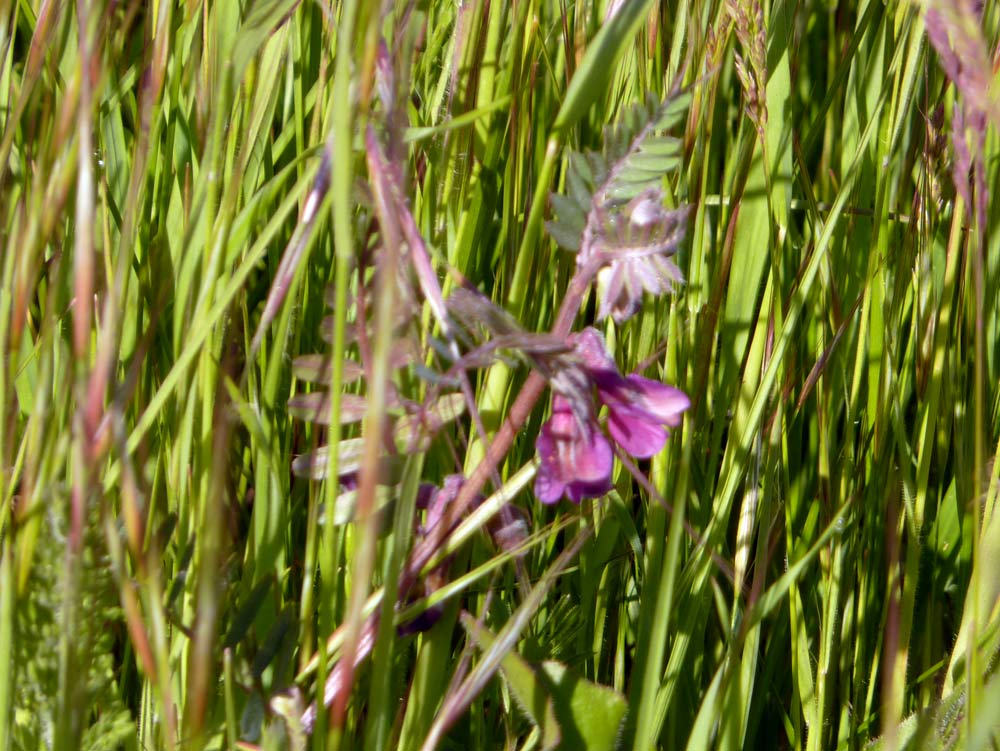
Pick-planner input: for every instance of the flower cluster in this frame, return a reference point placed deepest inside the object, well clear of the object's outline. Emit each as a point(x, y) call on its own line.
point(637, 247)
point(576, 457)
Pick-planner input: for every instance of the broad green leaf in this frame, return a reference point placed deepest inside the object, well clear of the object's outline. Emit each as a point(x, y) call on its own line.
point(569, 212)
point(567, 237)
point(525, 683)
point(570, 712)
point(590, 714)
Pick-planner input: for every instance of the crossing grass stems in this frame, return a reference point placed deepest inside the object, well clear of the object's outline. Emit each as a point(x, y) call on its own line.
point(230, 235)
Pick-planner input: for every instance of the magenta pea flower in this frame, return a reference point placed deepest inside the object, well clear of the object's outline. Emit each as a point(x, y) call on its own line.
point(640, 410)
point(576, 458)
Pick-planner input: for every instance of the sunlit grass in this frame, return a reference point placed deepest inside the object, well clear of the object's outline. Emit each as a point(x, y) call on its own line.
point(231, 232)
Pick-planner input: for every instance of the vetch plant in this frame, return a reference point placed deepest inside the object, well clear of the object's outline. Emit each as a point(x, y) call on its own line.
point(576, 458)
point(621, 228)
point(639, 409)
point(285, 350)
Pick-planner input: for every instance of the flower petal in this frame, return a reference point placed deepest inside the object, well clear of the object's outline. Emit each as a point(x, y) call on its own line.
point(576, 458)
point(636, 431)
point(560, 404)
point(663, 402)
point(594, 459)
point(594, 463)
point(577, 491)
point(548, 489)
point(548, 482)
point(589, 346)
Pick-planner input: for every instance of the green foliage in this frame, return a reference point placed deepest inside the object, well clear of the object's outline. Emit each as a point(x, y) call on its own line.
point(269, 269)
point(97, 717)
point(568, 712)
point(637, 153)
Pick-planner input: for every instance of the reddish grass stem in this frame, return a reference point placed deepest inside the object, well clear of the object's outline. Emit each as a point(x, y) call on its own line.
point(425, 550)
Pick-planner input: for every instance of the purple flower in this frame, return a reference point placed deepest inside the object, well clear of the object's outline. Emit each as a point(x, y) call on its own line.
point(638, 256)
point(576, 457)
point(640, 409)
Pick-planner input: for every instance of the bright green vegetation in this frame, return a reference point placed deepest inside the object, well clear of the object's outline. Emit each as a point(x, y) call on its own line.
point(814, 561)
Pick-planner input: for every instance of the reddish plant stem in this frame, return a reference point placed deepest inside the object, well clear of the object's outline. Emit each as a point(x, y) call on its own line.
point(527, 398)
point(498, 448)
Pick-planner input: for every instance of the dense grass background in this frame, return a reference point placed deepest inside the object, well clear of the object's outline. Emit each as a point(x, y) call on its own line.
point(813, 562)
